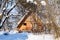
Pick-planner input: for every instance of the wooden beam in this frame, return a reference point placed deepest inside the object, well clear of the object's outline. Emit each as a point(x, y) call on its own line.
point(23, 19)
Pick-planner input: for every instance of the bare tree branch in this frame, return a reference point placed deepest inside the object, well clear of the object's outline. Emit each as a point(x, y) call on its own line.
point(8, 14)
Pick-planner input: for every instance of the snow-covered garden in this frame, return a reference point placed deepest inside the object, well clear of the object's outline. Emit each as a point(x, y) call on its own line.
point(25, 36)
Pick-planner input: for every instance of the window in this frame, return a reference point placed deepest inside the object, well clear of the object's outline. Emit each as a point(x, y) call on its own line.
point(24, 24)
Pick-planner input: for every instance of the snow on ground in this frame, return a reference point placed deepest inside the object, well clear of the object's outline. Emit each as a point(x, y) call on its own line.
point(13, 32)
point(0, 14)
point(9, 32)
point(35, 2)
point(17, 36)
point(43, 3)
point(30, 1)
point(40, 37)
point(58, 38)
point(1, 32)
point(13, 35)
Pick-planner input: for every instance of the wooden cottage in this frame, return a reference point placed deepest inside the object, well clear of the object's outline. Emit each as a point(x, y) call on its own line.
point(27, 23)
